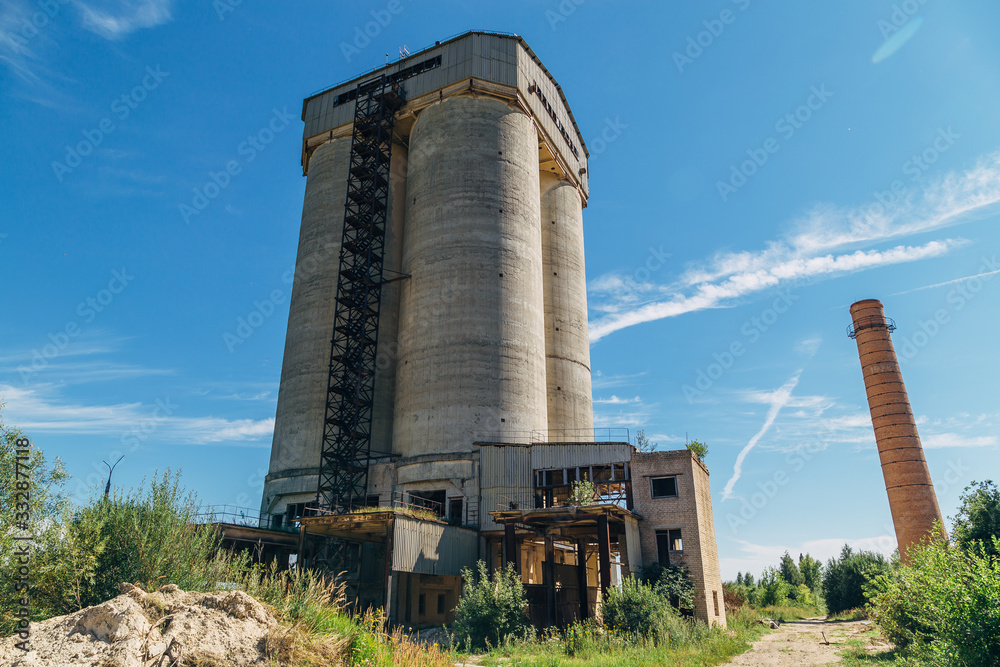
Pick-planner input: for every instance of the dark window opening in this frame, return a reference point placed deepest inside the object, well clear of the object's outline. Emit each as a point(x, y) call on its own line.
point(715, 599)
point(441, 605)
point(293, 511)
point(276, 521)
point(666, 542)
point(422, 605)
point(664, 487)
point(455, 511)
point(432, 500)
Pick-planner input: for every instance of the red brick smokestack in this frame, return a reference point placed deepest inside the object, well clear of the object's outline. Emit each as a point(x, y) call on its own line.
point(912, 501)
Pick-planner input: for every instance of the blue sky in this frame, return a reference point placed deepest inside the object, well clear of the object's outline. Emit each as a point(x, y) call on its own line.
point(755, 168)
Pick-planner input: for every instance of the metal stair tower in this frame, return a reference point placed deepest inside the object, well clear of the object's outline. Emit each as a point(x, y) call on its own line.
point(346, 451)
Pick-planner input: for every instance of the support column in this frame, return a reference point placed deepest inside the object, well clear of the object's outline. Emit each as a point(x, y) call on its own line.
point(581, 578)
point(510, 546)
point(550, 580)
point(604, 553)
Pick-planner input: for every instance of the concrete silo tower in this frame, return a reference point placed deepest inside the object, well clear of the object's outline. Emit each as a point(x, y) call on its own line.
point(482, 316)
point(908, 483)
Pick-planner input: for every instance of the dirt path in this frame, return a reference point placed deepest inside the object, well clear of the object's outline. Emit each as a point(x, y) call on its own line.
point(801, 643)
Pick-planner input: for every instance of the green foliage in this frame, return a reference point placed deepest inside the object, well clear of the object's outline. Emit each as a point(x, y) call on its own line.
point(845, 577)
point(149, 538)
point(774, 590)
point(790, 571)
point(672, 582)
point(492, 609)
point(978, 519)
point(583, 494)
point(944, 606)
point(644, 444)
point(699, 448)
point(636, 609)
point(812, 572)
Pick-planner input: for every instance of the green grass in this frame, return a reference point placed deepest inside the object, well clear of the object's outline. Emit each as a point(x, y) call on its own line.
point(857, 655)
point(701, 648)
point(849, 615)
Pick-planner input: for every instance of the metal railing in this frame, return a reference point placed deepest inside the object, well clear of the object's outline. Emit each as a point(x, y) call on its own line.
point(238, 516)
point(556, 436)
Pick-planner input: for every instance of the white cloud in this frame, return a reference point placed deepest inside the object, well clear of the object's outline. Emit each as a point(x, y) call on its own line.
point(943, 440)
point(754, 558)
point(616, 400)
point(948, 282)
point(818, 248)
point(41, 409)
point(115, 19)
point(777, 399)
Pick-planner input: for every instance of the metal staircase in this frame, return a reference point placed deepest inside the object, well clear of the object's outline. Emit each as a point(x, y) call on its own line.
point(346, 452)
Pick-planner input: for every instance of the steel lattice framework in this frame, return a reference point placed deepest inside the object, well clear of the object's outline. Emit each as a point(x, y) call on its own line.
point(346, 453)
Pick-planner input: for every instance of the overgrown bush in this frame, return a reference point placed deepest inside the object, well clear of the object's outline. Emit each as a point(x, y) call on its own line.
point(943, 606)
point(673, 582)
point(636, 609)
point(492, 609)
point(845, 577)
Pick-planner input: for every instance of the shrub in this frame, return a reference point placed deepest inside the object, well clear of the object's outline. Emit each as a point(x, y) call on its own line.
point(944, 605)
point(636, 609)
point(492, 609)
point(673, 582)
point(583, 494)
point(846, 576)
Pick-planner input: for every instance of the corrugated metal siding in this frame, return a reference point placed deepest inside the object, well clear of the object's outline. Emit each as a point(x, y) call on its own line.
point(430, 548)
point(563, 456)
point(506, 479)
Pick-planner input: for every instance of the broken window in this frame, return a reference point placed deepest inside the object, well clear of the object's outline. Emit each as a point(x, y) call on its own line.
point(664, 487)
point(667, 541)
point(432, 500)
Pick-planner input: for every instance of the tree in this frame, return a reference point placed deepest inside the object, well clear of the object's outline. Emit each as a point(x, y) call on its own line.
point(812, 572)
point(790, 571)
point(642, 443)
point(492, 608)
point(978, 519)
point(699, 448)
point(846, 576)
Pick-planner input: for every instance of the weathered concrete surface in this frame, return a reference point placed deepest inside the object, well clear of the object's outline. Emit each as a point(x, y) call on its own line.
point(908, 483)
point(567, 343)
point(471, 333)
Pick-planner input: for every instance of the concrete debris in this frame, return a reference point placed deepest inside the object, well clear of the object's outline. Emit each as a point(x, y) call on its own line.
point(138, 629)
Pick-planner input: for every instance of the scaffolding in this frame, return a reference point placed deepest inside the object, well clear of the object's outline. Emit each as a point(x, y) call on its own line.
point(346, 451)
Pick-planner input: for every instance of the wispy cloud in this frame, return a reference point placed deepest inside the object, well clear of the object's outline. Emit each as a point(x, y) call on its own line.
point(943, 440)
point(41, 409)
point(948, 282)
point(115, 19)
point(777, 400)
point(617, 400)
point(819, 247)
point(602, 381)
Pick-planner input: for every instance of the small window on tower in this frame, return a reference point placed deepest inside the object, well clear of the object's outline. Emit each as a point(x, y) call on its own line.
point(664, 487)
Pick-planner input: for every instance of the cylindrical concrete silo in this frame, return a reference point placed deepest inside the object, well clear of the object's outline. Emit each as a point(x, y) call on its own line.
point(908, 483)
point(471, 333)
point(567, 343)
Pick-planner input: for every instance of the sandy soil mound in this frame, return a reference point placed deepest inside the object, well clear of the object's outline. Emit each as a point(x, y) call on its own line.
point(139, 629)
